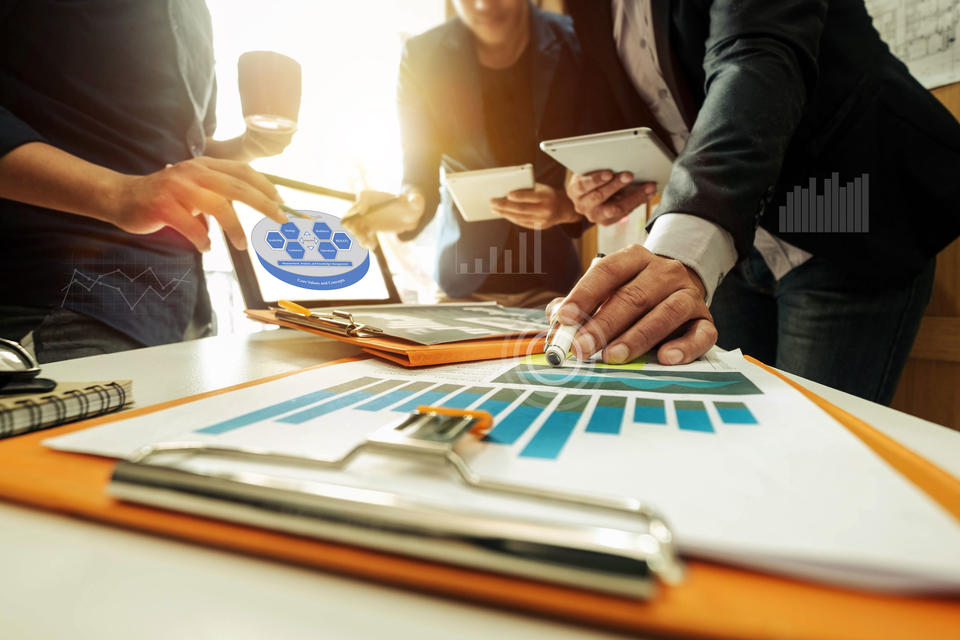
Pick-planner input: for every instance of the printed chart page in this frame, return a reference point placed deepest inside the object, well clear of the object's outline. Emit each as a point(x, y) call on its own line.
point(745, 469)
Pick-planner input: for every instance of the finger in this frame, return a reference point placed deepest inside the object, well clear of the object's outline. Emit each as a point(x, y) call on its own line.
point(525, 195)
point(524, 221)
point(232, 188)
point(190, 227)
point(602, 279)
point(519, 208)
point(552, 309)
point(221, 209)
point(603, 193)
point(698, 337)
point(581, 184)
point(652, 328)
point(244, 172)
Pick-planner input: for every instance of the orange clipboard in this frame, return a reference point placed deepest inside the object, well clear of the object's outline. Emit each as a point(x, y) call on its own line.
point(714, 601)
point(408, 354)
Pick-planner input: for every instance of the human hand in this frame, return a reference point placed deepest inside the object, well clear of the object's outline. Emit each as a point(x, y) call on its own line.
point(643, 299)
point(539, 208)
point(175, 196)
point(370, 215)
point(604, 197)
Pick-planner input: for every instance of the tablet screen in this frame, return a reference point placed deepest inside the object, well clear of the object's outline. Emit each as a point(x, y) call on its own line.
point(313, 260)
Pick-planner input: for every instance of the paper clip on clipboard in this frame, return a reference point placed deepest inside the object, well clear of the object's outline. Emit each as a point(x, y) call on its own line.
point(613, 560)
point(338, 322)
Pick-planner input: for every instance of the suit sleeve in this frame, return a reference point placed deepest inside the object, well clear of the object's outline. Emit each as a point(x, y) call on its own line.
point(419, 140)
point(760, 67)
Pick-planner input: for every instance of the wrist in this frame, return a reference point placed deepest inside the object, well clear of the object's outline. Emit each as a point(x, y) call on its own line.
point(111, 195)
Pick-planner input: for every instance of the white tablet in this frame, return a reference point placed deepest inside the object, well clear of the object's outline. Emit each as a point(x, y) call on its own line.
point(473, 190)
point(311, 260)
point(636, 150)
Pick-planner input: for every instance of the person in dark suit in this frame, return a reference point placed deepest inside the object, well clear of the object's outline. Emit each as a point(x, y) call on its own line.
point(477, 92)
point(762, 101)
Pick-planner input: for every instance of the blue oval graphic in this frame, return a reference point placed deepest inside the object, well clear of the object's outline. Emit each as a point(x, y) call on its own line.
point(312, 254)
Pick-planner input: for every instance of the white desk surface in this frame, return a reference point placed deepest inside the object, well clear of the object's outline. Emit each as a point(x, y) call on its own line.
point(67, 578)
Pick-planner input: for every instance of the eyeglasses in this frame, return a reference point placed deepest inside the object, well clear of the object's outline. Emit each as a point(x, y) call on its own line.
point(16, 363)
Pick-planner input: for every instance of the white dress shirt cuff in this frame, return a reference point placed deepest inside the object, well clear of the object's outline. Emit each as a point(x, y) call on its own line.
point(698, 243)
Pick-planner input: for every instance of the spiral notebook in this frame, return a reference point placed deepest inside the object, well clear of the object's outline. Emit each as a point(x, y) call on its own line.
point(69, 401)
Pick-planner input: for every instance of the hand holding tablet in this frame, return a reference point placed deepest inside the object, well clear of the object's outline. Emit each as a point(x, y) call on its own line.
point(614, 172)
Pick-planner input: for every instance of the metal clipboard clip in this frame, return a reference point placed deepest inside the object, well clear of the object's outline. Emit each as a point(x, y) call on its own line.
point(339, 322)
point(625, 562)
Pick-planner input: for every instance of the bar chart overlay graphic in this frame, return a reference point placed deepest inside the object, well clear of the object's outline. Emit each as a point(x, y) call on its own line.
point(839, 209)
point(525, 259)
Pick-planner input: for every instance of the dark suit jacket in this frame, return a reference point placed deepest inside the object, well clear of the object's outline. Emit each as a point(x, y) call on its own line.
point(779, 92)
point(441, 114)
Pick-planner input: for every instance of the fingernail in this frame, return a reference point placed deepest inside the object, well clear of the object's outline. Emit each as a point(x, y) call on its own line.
point(672, 356)
point(650, 189)
point(606, 176)
point(568, 313)
point(584, 346)
point(625, 178)
point(617, 354)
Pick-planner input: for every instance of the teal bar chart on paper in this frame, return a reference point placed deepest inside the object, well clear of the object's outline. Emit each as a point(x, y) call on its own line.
point(499, 401)
point(394, 397)
point(649, 411)
point(286, 406)
point(549, 439)
point(734, 413)
point(338, 403)
point(466, 398)
point(607, 415)
point(509, 428)
point(429, 398)
point(692, 416)
point(533, 419)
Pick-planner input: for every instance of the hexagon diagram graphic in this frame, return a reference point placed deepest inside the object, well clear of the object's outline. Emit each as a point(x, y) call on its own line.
point(295, 250)
point(342, 240)
point(321, 230)
point(290, 231)
point(275, 240)
point(327, 250)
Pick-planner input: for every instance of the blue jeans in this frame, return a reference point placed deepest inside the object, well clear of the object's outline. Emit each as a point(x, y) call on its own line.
point(60, 334)
point(822, 323)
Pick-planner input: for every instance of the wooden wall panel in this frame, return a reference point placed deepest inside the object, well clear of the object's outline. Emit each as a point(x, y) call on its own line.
point(930, 385)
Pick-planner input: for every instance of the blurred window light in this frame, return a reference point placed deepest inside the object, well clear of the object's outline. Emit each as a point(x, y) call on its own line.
point(347, 137)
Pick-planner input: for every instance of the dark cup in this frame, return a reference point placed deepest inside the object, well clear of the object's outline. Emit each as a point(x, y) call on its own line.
point(269, 91)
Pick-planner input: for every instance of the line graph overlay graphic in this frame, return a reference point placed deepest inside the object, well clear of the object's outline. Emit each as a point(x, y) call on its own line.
point(129, 289)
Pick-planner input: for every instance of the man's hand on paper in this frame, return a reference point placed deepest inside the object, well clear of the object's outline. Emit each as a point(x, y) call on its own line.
point(604, 197)
point(643, 299)
point(364, 221)
point(539, 208)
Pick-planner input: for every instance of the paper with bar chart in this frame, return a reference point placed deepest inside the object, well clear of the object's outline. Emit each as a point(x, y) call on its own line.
point(744, 467)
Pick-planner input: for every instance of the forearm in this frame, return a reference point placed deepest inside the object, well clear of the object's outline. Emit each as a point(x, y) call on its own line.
point(40, 174)
point(232, 149)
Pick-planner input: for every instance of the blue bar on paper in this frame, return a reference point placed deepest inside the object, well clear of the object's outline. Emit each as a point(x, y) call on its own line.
point(338, 403)
point(500, 401)
point(734, 413)
point(427, 398)
point(395, 396)
point(554, 433)
point(467, 398)
point(649, 411)
point(509, 429)
point(692, 416)
point(607, 415)
point(283, 407)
